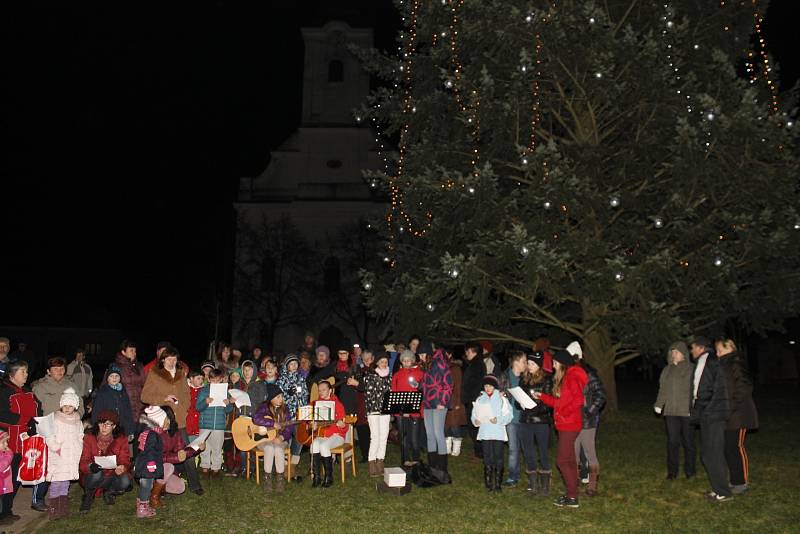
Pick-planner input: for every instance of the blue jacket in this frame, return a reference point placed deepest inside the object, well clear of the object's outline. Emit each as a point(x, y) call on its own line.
point(211, 417)
point(501, 409)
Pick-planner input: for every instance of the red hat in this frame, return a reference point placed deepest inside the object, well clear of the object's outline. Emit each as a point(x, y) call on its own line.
point(486, 345)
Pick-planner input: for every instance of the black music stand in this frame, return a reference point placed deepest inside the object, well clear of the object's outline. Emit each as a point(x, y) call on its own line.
point(400, 402)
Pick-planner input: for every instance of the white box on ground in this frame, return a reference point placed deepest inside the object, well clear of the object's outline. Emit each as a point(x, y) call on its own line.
point(394, 477)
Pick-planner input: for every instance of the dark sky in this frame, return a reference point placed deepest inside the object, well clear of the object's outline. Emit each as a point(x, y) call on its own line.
point(126, 128)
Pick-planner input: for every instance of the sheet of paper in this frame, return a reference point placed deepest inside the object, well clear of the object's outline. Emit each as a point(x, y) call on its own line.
point(106, 462)
point(45, 426)
point(218, 393)
point(482, 412)
point(195, 444)
point(305, 413)
point(240, 398)
point(324, 410)
point(522, 398)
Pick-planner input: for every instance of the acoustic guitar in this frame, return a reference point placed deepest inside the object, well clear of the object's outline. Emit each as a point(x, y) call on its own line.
point(305, 435)
point(247, 435)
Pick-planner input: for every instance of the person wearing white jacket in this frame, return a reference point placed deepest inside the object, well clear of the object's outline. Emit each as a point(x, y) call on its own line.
point(80, 373)
point(64, 450)
point(491, 413)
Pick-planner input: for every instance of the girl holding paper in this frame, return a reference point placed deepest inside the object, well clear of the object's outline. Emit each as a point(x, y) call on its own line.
point(535, 425)
point(64, 453)
point(491, 413)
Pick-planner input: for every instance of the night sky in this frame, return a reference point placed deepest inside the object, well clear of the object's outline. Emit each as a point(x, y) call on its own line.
point(126, 129)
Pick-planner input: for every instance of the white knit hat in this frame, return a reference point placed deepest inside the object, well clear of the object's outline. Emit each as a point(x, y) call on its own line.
point(156, 414)
point(70, 398)
point(575, 349)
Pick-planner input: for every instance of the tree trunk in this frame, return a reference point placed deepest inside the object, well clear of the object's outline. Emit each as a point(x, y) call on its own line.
point(598, 350)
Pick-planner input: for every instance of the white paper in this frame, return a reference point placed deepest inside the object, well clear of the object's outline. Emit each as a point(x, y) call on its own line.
point(240, 398)
point(482, 412)
point(106, 462)
point(218, 393)
point(522, 398)
point(45, 426)
point(324, 410)
point(304, 413)
point(195, 444)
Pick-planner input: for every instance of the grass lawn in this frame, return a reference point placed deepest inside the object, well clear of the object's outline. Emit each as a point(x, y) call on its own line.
point(634, 495)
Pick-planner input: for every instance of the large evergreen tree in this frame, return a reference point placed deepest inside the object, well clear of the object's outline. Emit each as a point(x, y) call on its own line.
point(619, 170)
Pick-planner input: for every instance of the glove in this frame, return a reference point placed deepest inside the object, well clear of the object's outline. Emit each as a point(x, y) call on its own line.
point(657, 409)
point(94, 468)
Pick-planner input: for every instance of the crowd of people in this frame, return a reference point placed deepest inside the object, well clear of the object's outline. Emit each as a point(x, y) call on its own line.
point(148, 417)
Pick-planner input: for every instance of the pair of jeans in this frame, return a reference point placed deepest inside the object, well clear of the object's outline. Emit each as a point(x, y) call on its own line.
point(116, 483)
point(145, 488)
point(512, 429)
point(680, 433)
point(535, 437)
point(411, 435)
point(493, 453)
point(434, 430)
point(566, 462)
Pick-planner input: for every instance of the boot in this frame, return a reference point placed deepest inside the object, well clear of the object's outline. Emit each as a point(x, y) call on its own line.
point(268, 483)
point(433, 459)
point(443, 467)
point(316, 466)
point(594, 475)
point(109, 497)
point(498, 479)
point(543, 477)
point(64, 507)
point(143, 509)
point(449, 441)
point(372, 467)
point(456, 446)
point(379, 467)
point(280, 483)
point(532, 482)
point(327, 464)
point(53, 508)
point(86, 501)
point(487, 477)
point(155, 501)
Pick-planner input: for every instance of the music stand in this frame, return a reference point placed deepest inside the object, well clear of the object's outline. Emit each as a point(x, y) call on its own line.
point(401, 402)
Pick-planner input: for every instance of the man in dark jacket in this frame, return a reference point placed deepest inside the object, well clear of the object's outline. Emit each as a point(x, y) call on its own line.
point(711, 410)
point(471, 388)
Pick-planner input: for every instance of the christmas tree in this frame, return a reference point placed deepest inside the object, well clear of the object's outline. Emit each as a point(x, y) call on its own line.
point(621, 171)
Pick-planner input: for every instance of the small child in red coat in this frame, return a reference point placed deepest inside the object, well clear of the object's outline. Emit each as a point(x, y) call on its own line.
point(195, 380)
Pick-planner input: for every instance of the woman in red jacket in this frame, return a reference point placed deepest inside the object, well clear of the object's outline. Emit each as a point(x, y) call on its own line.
point(106, 438)
point(330, 437)
point(567, 403)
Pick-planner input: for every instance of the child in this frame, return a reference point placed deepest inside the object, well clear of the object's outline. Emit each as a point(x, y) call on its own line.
point(375, 382)
point(273, 414)
point(409, 378)
point(195, 382)
point(112, 396)
point(206, 368)
point(212, 418)
point(295, 394)
point(492, 433)
point(6, 456)
point(534, 425)
point(64, 453)
point(332, 436)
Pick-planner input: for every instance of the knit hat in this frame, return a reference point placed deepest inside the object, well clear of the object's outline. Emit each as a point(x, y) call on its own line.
point(113, 369)
point(109, 415)
point(407, 355)
point(291, 358)
point(536, 357)
point(272, 391)
point(491, 380)
point(70, 398)
point(156, 414)
point(486, 345)
point(575, 350)
point(425, 347)
point(381, 356)
point(564, 358)
point(325, 350)
point(207, 363)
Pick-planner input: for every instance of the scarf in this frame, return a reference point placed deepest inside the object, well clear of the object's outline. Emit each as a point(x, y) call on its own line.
point(383, 373)
point(103, 442)
point(116, 387)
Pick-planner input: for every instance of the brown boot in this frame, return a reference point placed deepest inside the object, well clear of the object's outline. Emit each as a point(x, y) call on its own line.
point(53, 507)
point(594, 474)
point(268, 483)
point(372, 467)
point(155, 495)
point(65, 507)
point(280, 482)
point(379, 467)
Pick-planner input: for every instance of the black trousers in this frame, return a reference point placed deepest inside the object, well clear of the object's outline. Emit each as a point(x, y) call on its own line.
point(363, 441)
point(411, 429)
point(477, 447)
point(712, 451)
point(188, 467)
point(736, 456)
point(493, 452)
point(680, 433)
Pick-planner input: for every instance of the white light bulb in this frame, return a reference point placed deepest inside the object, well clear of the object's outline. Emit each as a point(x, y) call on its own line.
point(358, 118)
point(614, 202)
point(386, 259)
point(619, 276)
point(448, 84)
point(797, 225)
point(430, 307)
point(598, 75)
point(670, 24)
point(367, 286)
point(710, 116)
point(547, 205)
point(696, 47)
point(471, 190)
point(524, 251)
point(591, 20)
point(454, 272)
point(658, 222)
point(717, 261)
point(524, 160)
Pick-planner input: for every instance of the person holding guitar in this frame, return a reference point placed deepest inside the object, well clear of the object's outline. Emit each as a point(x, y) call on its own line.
point(328, 435)
point(273, 415)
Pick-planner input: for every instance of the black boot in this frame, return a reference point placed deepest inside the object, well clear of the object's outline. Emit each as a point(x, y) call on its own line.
point(86, 502)
point(316, 465)
point(532, 483)
point(487, 477)
point(327, 465)
point(498, 479)
point(443, 467)
point(544, 482)
point(432, 457)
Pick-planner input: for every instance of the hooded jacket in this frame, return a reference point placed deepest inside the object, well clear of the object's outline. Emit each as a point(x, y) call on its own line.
point(437, 383)
point(568, 407)
point(65, 447)
point(211, 417)
point(501, 409)
point(675, 385)
point(133, 377)
point(294, 388)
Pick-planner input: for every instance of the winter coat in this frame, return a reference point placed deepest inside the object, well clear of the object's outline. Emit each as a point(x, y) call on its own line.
point(160, 383)
point(541, 413)
point(18, 407)
point(258, 392)
point(472, 386)
point(133, 377)
point(568, 407)
point(740, 392)
point(107, 398)
point(711, 403)
point(48, 392)
point(456, 415)
point(507, 381)
point(404, 380)
point(594, 398)
point(338, 414)
point(437, 383)
point(149, 461)
point(501, 409)
point(375, 388)
point(346, 393)
point(211, 417)
point(675, 388)
point(320, 373)
point(6, 481)
point(64, 448)
point(263, 417)
point(81, 375)
point(192, 415)
point(294, 388)
point(118, 447)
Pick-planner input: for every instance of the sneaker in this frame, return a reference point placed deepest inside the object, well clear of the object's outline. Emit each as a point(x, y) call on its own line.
point(510, 482)
point(716, 497)
point(585, 480)
point(39, 507)
point(568, 502)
